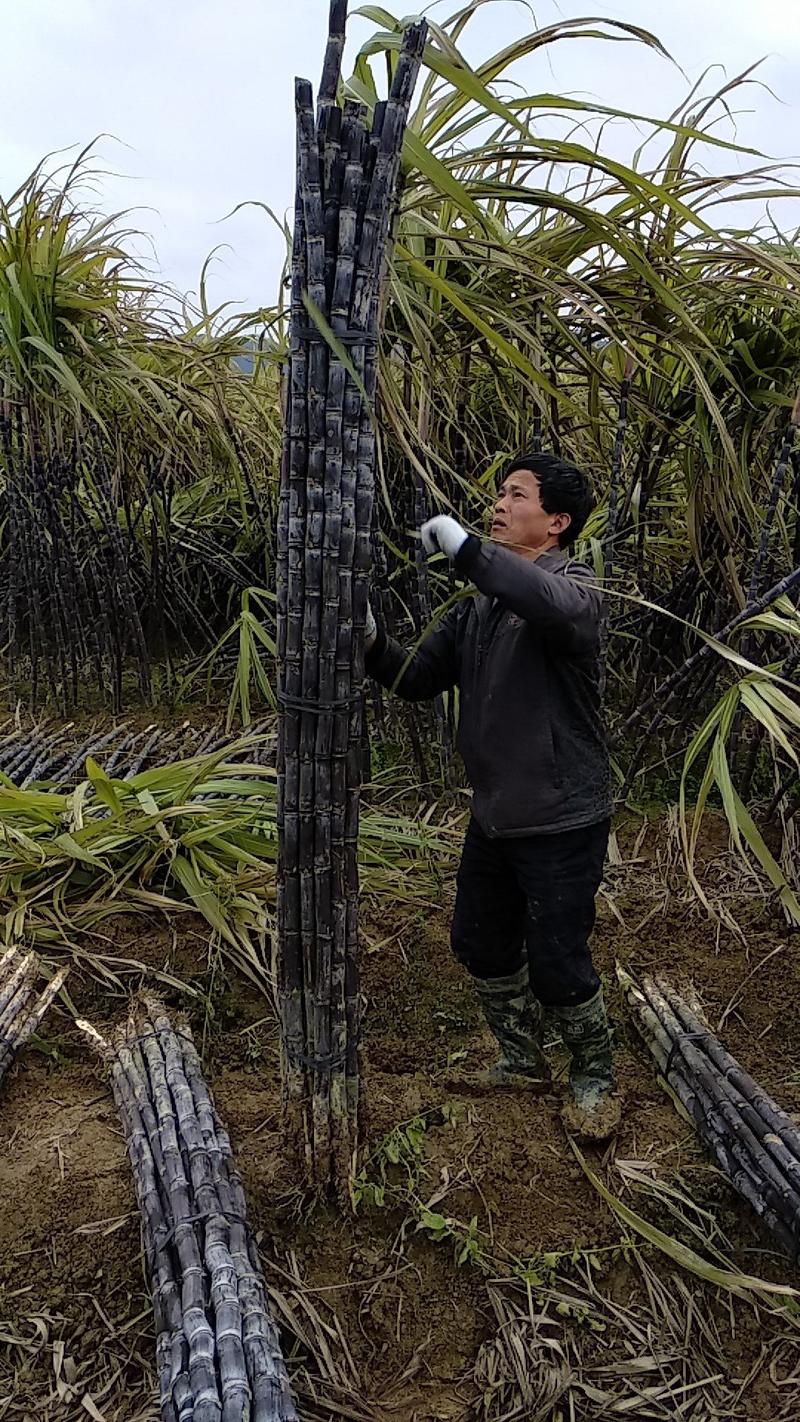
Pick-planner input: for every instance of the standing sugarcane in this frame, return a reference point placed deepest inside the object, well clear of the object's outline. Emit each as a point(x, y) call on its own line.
point(347, 180)
point(609, 548)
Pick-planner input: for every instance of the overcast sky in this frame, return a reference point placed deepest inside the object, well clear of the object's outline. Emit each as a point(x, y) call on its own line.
point(198, 96)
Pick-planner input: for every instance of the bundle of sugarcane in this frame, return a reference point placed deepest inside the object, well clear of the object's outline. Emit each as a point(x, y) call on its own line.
point(57, 754)
point(347, 177)
point(218, 1352)
point(22, 1006)
point(754, 1142)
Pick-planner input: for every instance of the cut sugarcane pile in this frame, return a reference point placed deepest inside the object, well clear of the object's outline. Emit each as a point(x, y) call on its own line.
point(22, 1006)
point(55, 754)
point(752, 1139)
point(218, 1352)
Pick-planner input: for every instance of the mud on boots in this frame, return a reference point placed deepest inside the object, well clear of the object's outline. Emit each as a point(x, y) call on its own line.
point(594, 1110)
point(524, 652)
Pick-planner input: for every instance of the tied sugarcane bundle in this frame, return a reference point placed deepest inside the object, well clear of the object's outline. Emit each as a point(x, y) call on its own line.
point(218, 1352)
point(754, 1142)
point(348, 170)
point(22, 1007)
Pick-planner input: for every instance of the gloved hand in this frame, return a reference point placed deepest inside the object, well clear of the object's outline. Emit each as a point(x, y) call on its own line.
point(444, 534)
point(370, 630)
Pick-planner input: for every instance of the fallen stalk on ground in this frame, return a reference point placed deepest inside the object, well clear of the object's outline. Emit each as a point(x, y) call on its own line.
point(47, 752)
point(218, 1352)
point(754, 1142)
point(21, 1006)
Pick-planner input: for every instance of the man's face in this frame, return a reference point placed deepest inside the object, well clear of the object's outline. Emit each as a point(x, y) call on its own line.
point(519, 520)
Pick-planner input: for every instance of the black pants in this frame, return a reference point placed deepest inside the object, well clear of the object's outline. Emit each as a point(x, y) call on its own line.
point(531, 897)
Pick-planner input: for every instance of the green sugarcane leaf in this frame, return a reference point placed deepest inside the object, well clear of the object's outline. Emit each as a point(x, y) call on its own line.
point(77, 802)
point(203, 896)
point(743, 1285)
point(747, 826)
point(67, 844)
point(495, 338)
point(763, 713)
point(103, 786)
point(150, 806)
point(12, 835)
point(417, 156)
point(782, 703)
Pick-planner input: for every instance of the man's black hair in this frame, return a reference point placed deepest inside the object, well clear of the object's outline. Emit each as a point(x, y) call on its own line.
point(563, 488)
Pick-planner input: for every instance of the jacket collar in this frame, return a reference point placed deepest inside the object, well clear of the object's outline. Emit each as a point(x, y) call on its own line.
point(552, 560)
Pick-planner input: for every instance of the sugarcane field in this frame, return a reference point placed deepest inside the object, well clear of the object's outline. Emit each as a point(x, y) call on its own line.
point(399, 713)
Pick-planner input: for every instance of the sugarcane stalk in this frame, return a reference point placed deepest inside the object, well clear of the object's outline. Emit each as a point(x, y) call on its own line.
point(761, 1168)
point(217, 1351)
point(734, 1164)
point(665, 691)
point(130, 1087)
point(723, 1108)
point(23, 1011)
point(773, 1120)
point(198, 1330)
point(345, 188)
point(266, 1369)
point(220, 1267)
point(14, 1016)
point(778, 479)
point(18, 971)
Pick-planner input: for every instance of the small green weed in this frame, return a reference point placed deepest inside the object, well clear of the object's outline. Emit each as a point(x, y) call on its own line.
point(400, 1151)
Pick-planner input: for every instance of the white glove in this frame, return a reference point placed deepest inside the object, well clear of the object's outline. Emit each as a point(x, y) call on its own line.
point(370, 630)
point(444, 534)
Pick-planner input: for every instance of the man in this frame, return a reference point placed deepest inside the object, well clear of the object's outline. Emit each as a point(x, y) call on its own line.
point(524, 654)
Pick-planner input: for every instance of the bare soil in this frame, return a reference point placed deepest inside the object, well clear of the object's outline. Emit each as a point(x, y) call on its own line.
point(403, 1322)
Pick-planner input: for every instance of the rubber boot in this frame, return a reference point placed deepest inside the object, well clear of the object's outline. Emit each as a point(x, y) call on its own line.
point(594, 1112)
point(516, 1021)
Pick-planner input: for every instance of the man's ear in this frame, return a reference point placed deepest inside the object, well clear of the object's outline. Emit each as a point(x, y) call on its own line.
point(560, 523)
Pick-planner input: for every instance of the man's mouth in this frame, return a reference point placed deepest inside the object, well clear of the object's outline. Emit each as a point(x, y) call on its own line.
point(498, 523)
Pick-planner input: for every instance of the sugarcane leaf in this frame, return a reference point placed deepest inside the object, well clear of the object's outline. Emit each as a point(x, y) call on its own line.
point(417, 156)
point(781, 703)
point(203, 896)
point(743, 1285)
point(151, 808)
point(103, 786)
point(745, 825)
point(758, 707)
point(67, 844)
point(12, 835)
point(64, 373)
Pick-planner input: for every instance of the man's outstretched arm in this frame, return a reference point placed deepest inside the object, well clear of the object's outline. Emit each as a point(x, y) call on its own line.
point(418, 674)
point(565, 605)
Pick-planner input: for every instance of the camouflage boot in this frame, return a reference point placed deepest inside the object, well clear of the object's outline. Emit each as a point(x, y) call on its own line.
point(594, 1112)
point(515, 1019)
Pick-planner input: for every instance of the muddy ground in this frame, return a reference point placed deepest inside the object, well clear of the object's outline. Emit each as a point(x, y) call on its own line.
point(381, 1319)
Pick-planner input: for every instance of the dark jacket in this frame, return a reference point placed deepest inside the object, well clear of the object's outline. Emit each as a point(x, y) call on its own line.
point(524, 655)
